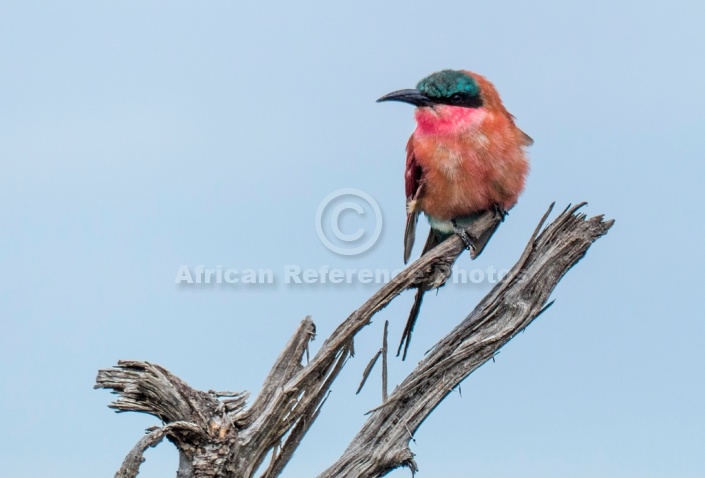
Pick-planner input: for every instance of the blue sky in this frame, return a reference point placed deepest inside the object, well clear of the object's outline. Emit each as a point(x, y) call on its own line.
point(137, 137)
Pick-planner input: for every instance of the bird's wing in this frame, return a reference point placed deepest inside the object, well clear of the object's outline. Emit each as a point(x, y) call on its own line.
point(413, 185)
point(526, 139)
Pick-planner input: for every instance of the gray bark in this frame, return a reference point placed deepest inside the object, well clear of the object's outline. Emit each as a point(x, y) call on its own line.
point(218, 436)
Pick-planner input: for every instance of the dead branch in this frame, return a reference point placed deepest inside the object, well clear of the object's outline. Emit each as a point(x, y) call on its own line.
point(228, 440)
point(382, 443)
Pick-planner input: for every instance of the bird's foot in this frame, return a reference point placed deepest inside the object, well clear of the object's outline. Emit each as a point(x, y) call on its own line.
point(463, 235)
point(499, 211)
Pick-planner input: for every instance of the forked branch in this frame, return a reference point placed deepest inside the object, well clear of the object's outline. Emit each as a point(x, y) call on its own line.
point(382, 443)
point(228, 440)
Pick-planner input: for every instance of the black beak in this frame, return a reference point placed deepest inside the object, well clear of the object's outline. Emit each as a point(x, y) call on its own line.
point(413, 97)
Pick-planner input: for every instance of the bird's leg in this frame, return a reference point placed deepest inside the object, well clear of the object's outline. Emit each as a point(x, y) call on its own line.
point(463, 235)
point(499, 211)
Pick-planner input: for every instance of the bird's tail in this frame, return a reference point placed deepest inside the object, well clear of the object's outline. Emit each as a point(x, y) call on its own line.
point(436, 280)
point(432, 241)
point(410, 322)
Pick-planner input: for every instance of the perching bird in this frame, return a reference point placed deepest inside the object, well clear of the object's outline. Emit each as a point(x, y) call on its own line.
point(466, 156)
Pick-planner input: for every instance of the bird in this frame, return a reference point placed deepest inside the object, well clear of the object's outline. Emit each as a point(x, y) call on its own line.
point(466, 156)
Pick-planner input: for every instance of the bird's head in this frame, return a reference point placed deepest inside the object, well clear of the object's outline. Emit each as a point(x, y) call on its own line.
point(448, 101)
point(447, 87)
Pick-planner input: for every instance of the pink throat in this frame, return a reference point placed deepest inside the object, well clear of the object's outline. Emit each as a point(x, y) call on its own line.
point(446, 119)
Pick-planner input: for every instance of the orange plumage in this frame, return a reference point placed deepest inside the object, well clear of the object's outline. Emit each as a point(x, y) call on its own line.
point(462, 160)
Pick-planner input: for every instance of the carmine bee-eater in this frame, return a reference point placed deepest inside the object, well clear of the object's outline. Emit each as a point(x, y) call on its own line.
point(466, 156)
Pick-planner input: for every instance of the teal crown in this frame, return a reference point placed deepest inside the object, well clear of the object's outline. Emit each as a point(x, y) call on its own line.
point(446, 83)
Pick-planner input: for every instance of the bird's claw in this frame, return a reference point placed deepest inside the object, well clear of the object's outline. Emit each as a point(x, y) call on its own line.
point(463, 235)
point(500, 212)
